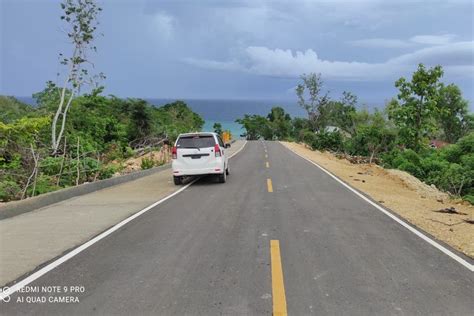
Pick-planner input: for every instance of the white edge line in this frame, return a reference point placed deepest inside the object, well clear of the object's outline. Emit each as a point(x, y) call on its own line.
point(239, 150)
point(17, 286)
point(395, 218)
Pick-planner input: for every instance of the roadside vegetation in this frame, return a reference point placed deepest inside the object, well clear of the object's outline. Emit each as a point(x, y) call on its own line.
point(75, 134)
point(427, 130)
point(100, 134)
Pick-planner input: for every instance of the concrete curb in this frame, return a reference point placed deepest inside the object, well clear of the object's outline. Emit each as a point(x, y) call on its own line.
point(15, 208)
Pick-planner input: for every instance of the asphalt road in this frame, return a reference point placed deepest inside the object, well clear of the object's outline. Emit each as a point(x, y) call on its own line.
point(206, 251)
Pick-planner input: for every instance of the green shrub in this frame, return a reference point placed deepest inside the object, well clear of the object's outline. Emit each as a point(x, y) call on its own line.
point(411, 156)
point(9, 190)
point(328, 141)
point(451, 153)
point(467, 143)
point(468, 161)
point(44, 184)
point(147, 163)
point(469, 198)
point(456, 179)
point(307, 137)
point(434, 167)
point(128, 152)
point(411, 168)
point(108, 171)
point(389, 157)
point(51, 165)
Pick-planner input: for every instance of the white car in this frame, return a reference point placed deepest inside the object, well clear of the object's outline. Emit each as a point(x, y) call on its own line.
point(199, 154)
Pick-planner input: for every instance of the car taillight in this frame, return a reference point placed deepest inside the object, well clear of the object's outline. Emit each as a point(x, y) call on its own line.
point(174, 153)
point(217, 150)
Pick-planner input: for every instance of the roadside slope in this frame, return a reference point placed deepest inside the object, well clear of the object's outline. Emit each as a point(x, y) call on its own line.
point(392, 191)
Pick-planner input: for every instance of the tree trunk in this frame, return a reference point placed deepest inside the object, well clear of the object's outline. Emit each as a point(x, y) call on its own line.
point(78, 162)
point(62, 162)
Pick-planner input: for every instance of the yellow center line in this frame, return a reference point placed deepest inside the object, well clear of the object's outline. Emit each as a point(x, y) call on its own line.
point(278, 286)
point(269, 185)
point(267, 164)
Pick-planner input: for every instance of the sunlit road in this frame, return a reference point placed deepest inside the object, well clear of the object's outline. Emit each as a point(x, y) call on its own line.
point(280, 236)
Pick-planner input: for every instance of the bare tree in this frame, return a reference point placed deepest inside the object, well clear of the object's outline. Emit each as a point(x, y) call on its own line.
point(316, 101)
point(34, 173)
point(81, 18)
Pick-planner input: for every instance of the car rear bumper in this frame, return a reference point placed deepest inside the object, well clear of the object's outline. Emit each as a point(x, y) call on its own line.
point(180, 170)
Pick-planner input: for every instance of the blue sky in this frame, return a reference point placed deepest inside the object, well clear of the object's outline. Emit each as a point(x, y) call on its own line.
point(244, 49)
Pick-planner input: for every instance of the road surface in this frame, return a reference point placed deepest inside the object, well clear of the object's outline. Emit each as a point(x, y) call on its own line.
point(280, 235)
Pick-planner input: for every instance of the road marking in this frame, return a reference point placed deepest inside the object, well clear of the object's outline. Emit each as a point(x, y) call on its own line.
point(278, 286)
point(432, 242)
point(17, 286)
point(267, 164)
point(269, 185)
point(266, 156)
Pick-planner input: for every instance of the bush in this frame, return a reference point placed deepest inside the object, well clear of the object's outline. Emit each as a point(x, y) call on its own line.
point(411, 168)
point(307, 137)
point(434, 168)
point(469, 198)
point(51, 165)
point(466, 143)
point(455, 179)
point(328, 141)
point(451, 153)
point(389, 157)
point(9, 190)
point(108, 171)
point(147, 163)
point(44, 184)
point(411, 156)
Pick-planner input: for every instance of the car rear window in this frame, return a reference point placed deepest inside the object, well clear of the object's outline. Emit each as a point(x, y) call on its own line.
point(197, 141)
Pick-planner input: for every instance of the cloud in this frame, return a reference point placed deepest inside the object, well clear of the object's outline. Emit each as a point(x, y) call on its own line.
point(260, 60)
point(164, 24)
point(433, 39)
point(399, 43)
point(213, 64)
point(381, 42)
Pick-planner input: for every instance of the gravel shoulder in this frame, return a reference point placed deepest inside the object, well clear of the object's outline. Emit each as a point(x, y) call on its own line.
point(405, 195)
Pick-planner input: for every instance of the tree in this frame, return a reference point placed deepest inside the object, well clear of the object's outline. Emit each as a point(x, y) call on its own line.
point(141, 120)
point(453, 113)
point(81, 20)
point(279, 122)
point(342, 113)
point(414, 116)
point(217, 128)
point(256, 126)
point(316, 101)
point(12, 109)
point(300, 126)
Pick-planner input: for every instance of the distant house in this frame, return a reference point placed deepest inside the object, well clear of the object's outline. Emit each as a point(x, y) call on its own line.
point(436, 143)
point(332, 129)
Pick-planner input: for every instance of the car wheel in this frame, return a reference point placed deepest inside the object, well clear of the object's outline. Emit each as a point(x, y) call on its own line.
point(222, 177)
point(177, 180)
point(227, 170)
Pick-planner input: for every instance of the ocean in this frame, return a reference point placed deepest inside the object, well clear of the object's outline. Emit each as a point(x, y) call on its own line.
point(224, 111)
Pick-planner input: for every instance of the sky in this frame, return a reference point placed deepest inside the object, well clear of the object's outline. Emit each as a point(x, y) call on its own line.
point(244, 49)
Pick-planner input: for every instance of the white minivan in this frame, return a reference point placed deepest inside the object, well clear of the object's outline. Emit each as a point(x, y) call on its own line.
point(199, 154)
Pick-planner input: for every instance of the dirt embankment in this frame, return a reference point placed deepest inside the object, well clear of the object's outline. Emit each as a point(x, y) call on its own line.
point(157, 157)
point(422, 205)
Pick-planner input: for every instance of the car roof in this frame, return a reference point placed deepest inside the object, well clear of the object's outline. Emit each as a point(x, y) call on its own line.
point(197, 134)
